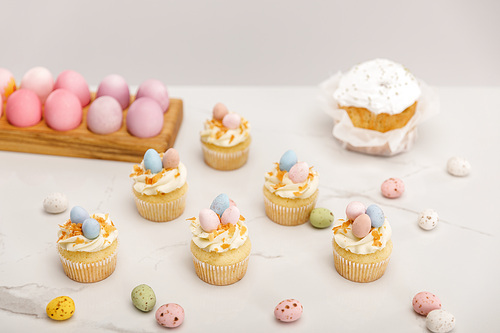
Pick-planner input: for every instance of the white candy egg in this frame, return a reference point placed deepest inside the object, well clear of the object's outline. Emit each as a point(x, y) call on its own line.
point(428, 219)
point(458, 166)
point(55, 203)
point(440, 321)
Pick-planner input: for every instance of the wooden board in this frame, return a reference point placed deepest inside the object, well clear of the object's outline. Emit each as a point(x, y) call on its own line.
point(81, 142)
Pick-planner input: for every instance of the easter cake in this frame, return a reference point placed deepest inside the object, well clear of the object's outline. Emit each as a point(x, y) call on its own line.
point(220, 245)
point(290, 190)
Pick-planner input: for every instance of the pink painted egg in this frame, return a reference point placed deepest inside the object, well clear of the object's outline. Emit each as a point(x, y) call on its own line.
point(7, 83)
point(392, 188)
point(156, 90)
point(209, 220)
point(231, 120)
point(40, 81)
point(425, 302)
point(220, 110)
point(288, 310)
point(23, 108)
point(105, 115)
point(144, 118)
point(115, 86)
point(63, 110)
point(299, 172)
point(232, 203)
point(354, 209)
point(75, 83)
point(170, 315)
point(361, 226)
point(171, 159)
point(231, 215)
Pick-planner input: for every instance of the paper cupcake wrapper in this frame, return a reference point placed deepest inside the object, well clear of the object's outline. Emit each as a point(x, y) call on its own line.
point(161, 212)
point(225, 161)
point(359, 272)
point(89, 272)
point(220, 275)
point(289, 216)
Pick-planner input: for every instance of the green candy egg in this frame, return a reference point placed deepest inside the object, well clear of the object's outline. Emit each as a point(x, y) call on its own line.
point(143, 298)
point(321, 218)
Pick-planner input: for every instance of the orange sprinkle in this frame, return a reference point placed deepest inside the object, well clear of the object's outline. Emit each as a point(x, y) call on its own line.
point(232, 229)
point(232, 138)
point(376, 238)
point(224, 246)
point(344, 226)
point(242, 218)
point(297, 194)
point(79, 241)
point(177, 175)
point(243, 230)
point(191, 219)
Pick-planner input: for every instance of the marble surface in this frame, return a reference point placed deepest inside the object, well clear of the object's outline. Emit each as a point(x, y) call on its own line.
point(456, 261)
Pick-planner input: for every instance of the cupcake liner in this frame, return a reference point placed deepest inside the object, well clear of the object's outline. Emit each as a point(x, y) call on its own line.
point(289, 216)
point(89, 272)
point(359, 272)
point(161, 212)
point(220, 275)
point(225, 161)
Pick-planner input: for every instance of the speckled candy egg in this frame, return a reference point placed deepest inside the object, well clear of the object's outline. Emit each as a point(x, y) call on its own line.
point(171, 159)
point(170, 315)
point(91, 228)
point(288, 310)
point(55, 203)
point(152, 161)
point(209, 221)
point(7, 83)
point(23, 108)
point(40, 81)
point(392, 188)
point(75, 83)
point(428, 219)
point(231, 120)
point(220, 204)
point(361, 226)
point(156, 90)
point(61, 308)
point(376, 215)
point(144, 118)
point(354, 209)
point(143, 298)
point(321, 218)
point(115, 86)
point(288, 160)
point(299, 172)
point(105, 115)
point(78, 214)
point(424, 302)
point(458, 166)
point(231, 215)
point(219, 111)
point(63, 110)
point(440, 321)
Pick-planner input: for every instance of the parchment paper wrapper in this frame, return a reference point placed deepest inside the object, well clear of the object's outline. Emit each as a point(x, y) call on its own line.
point(373, 142)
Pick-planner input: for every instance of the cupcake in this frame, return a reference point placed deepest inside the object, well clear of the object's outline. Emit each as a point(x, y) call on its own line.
point(87, 246)
point(362, 243)
point(379, 95)
point(225, 139)
point(290, 190)
point(220, 245)
point(160, 186)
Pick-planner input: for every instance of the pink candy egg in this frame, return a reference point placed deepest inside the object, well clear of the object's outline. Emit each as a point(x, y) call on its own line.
point(231, 215)
point(288, 310)
point(354, 209)
point(171, 159)
point(40, 81)
point(144, 118)
point(115, 86)
point(231, 120)
point(361, 226)
point(392, 188)
point(170, 315)
point(209, 220)
point(63, 110)
point(232, 203)
point(7, 83)
point(425, 302)
point(156, 90)
point(220, 110)
point(299, 172)
point(105, 115)
point(75, 83)
point(23, 108)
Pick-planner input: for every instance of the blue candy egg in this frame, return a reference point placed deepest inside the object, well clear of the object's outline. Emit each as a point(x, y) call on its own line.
point(78, 214)
point(152, 161)
point(220, 204)
point(91, 228)
point(288, 160)
point(376, 215)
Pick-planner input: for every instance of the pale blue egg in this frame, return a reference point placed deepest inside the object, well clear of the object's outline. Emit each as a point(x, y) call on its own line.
point(152, 161)
point(376, 215)
point(78, 214)
point(220, 204)
point(288, 160)
point(91, 228)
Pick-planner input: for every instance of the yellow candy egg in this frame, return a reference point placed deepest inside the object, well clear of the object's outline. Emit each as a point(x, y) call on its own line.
point(61, 308)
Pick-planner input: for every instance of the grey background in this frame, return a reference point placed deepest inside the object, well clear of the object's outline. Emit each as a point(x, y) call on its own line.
point(258, 42)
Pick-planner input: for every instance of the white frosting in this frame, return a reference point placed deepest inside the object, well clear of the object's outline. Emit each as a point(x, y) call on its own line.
point(217, 134)
point(344, 238)
point(79, 242)
point(225, 238)
point(170, 180)
point(379, 85)
point(277, 182)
